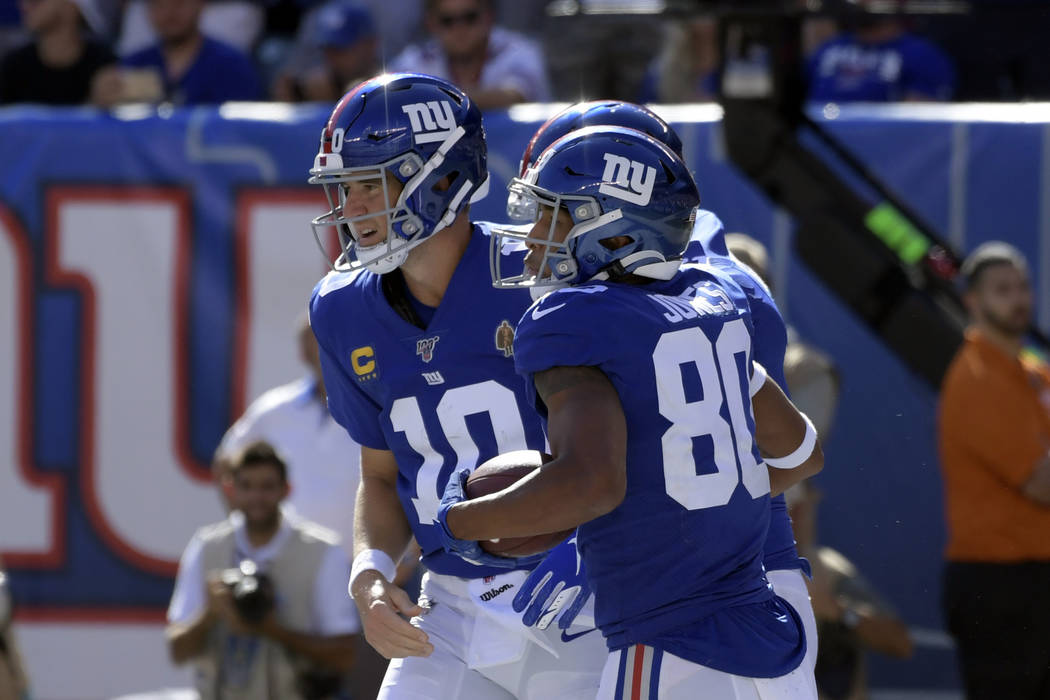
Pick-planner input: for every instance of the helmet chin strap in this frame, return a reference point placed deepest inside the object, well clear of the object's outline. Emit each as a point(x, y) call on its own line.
point(388, 263)
point(658, 269)
point(537, 292)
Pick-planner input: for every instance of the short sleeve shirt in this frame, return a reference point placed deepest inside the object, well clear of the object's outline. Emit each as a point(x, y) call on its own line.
point(994, 427)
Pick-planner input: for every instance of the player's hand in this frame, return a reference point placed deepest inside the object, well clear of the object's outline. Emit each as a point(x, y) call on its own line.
point(379, 603)
point(455, 492)
point(556, 589)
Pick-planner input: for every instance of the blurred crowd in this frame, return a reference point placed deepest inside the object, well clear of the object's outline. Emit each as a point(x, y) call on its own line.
point(107, 52)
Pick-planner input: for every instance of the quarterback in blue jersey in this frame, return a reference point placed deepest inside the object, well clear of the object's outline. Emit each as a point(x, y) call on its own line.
point(655, 415)
point(551, 597)
point(416, 351)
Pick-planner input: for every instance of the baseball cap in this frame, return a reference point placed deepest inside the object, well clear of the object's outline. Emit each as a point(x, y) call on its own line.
point(343, 23)
point(986, 255)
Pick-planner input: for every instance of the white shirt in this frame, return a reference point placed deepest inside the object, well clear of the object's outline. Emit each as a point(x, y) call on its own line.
point(334, 611)
point(513, 63)
point(324, 463)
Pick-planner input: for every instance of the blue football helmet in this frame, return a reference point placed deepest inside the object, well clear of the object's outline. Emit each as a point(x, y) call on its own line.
point(611, 181)
point(412, 129)
point(597, 113)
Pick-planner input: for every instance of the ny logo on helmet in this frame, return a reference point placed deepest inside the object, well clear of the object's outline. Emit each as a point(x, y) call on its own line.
point(627, 179)
point(431, 121)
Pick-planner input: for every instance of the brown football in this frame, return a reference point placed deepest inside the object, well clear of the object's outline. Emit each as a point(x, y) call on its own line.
point(497, 474)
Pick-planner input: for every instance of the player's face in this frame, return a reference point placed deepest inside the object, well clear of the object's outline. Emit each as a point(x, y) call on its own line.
point(1003, 299)
point(543, 231)
point(257, 492)
point(364, 197)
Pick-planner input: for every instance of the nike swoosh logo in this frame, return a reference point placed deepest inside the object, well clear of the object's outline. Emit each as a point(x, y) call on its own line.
point(537, 314)
point(566, 637)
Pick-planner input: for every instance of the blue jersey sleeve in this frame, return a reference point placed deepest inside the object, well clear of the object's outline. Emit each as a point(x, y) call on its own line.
point(563, 329)
point(351, 407)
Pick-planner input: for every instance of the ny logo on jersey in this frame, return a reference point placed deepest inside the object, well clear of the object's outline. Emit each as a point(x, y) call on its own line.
point(431, 121)
point(627, 179)
point(433, 378)
point(425, 347)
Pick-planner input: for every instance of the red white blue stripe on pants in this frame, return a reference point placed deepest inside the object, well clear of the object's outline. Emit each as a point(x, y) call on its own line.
point(639, 674)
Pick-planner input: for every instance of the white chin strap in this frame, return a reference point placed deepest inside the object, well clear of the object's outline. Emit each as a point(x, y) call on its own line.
point(388, 263)
point(538, 292)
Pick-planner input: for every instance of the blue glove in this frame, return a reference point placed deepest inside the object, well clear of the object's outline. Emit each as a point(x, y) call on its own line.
point(465, 549)
point(557, 585)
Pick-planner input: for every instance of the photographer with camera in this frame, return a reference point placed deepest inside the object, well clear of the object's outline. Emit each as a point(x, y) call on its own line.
point(260, 602)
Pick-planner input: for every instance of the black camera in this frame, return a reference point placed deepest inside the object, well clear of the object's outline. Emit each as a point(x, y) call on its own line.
point(252, 589)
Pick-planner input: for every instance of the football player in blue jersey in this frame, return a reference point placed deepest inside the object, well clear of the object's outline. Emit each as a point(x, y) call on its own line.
point(416, 356)
point(656, 415)
point(559, 595)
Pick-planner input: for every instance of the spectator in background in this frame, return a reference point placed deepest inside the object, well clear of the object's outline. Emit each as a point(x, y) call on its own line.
point(398, 23)
point(687, 68)
point(13, 681)
point(63, 64)
point(191, 67)
point(323, 473)
point(345, 33)
point(238, 23)
point(877, 60)
point(303, 634)
point(323, 469)
point(495, 67)
point(995, 460)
